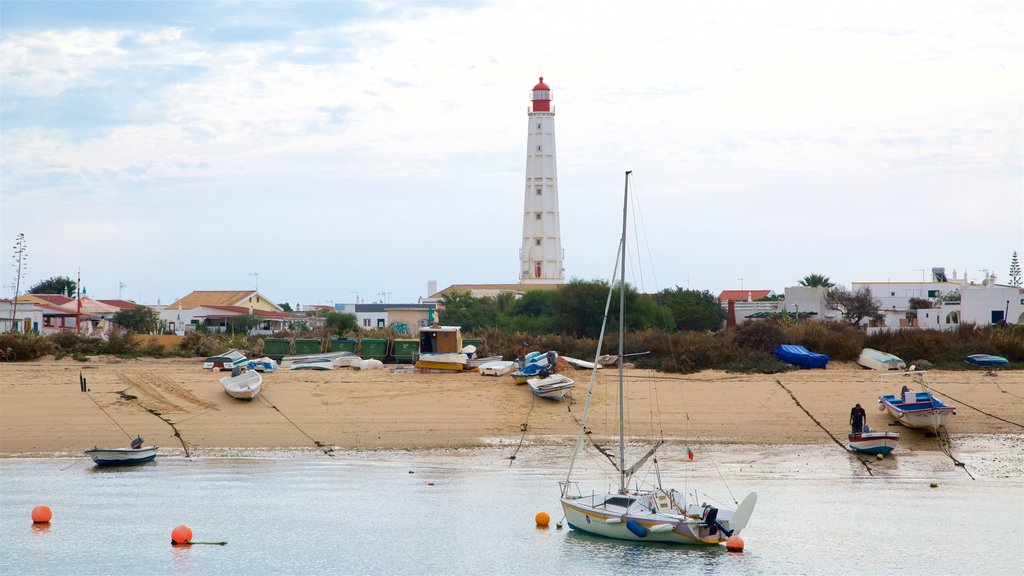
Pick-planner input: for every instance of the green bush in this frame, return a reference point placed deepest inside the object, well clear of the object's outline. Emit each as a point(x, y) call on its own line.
point(120, 341)
point(67, 343)
point(26, 346)
point(763, 335)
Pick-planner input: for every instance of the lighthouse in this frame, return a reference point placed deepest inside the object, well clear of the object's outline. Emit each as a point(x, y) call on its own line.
point(540, 257)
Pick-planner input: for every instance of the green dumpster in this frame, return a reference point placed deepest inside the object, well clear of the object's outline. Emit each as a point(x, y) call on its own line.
point(308, 346)
point(375, 348)
point(478, 342)
point(405, 349)
point(343, 345)
point(277, 348)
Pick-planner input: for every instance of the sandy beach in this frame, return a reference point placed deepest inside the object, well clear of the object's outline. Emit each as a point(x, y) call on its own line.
point(43, 411)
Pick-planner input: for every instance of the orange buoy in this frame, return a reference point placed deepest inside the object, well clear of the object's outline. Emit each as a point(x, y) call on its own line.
point(181, 534)
point(542, 519)
point(41, 514)
point(734, 544)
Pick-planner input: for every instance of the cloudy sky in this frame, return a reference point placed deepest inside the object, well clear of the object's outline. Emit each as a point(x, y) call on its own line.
point(343, 148)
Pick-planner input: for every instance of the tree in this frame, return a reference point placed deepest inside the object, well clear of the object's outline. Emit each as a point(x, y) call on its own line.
point(816, 281)
point(1015, 271)
point(340, 322)
point(140, 319)
point(578, 307)
point(286, 307)
point(920, 303)
point(855, 305)
point(244, 323)
point(692, 309)
point(55, 285)
point(462, 309)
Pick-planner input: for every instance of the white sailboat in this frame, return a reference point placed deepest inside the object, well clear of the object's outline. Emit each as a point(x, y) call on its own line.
point(643, 513)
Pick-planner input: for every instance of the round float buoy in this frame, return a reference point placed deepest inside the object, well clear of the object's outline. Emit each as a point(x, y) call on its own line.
point(430, 483)
point(41, 514)
point(734, 544)
point(181, 534)
point(934, 485)
point(542, 519)
point(880, 456)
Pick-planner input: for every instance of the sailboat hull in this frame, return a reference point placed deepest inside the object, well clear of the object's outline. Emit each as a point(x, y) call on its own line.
point(655, 527)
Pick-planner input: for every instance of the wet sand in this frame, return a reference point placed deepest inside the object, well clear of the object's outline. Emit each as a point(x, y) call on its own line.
point(42, 410)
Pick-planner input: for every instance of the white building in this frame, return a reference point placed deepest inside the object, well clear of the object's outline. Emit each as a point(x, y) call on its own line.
point(983, 304)
point(893, 299)
point(540, 257)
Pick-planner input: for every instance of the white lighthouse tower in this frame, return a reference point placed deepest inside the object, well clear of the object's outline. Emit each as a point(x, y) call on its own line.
point(540, 258)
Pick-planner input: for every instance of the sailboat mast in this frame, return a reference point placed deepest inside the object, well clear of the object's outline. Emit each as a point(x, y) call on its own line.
point(622, 340)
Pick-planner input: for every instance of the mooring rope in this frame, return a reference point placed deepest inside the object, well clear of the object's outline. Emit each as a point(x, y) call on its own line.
point(946, 446)
point(108, 415)
point(977, 409)
point(320, 445)
point(1007, 392)
point(524, 426)
point(826, 430)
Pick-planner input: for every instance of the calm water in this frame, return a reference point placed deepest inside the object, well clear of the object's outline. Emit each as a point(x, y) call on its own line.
point(303, 514)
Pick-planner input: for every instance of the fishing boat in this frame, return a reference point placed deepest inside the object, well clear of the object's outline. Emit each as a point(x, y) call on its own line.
point(645, 512)
point(877, 360)
point(338, 359)
point(226, 361)
point(478, 362)
point(800, 356)
point(313, 363)
point(874, 442)
point(555, 386)
point(497, 367)
point(534, 363)
point(135, 454)
point(441, 348)
point(245, 386)
point(913, 408)
point(986, 361)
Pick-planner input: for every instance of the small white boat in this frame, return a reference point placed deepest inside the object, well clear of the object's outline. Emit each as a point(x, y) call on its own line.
point(316, 363)
point(874, 442)
point(122, 456)
point(339, 359)
point(877, 360)
point(245, 386)
point(581, 363)
point(497, 367)
point(554, 387)
point(478, 362)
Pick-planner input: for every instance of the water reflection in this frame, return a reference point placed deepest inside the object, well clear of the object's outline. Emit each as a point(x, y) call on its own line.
point(181, 557)
point(41, 529)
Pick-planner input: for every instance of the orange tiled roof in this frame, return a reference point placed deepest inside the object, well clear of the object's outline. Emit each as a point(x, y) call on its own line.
point(54, 299)
point(212, 298)
point(742, 295)
point(122, 304)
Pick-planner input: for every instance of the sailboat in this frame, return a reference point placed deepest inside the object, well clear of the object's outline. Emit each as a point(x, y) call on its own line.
point(641, 513)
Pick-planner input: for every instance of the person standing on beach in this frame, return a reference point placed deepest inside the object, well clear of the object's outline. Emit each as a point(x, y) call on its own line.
point(857, 418)
point(521, 353)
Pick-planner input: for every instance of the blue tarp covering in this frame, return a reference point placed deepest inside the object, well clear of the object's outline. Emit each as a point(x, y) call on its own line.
point(800, 356)
point(986, 360)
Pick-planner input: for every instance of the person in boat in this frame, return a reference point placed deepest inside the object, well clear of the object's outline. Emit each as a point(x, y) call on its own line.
point(521, 353)
point(857, 419)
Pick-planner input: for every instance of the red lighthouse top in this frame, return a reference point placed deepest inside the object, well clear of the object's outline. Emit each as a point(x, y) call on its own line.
point(541, 97)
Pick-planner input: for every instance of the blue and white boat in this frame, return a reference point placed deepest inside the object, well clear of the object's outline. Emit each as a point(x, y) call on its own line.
point(874, 442)
point(986, 361)
point(912, 408)
point(122, 456)
point(554, 387)
point(535, 362)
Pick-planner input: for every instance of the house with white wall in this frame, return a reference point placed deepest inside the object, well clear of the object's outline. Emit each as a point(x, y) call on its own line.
point(979, 304)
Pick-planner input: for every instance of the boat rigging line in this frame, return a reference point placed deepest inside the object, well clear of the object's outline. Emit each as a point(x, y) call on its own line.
point(320, 445)
point(815, 420)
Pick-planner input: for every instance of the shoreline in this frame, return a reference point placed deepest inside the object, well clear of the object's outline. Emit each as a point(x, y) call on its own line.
point(42, 410)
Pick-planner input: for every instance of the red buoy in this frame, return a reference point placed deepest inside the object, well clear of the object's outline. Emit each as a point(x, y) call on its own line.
point(181, 534)
point(734, 544)
point(542, 519)
point(41, 514)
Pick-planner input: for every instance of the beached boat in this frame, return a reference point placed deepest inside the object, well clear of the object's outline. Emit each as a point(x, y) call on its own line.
point(478, 362)
point(264, 364)
point(135, 454)
point(986, 361)
point(577, 363)
point(497, 368)
point(878, 360)
point(874, 442)
point(245, 386)
point(535, 362)
point(339, 359)
point(645, 511)
point(800, 356)
point(555, 386)
point(912, 408)
point(226, 361)
point(313, 363)
point(441, 349)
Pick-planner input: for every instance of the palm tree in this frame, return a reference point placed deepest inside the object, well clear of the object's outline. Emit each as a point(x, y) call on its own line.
point(817, 281)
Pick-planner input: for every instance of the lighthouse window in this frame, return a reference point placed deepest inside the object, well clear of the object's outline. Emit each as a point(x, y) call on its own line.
point(536, 242)
point(538, 147)
point(539, 192)
point(538, 125)
point(538, 216)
